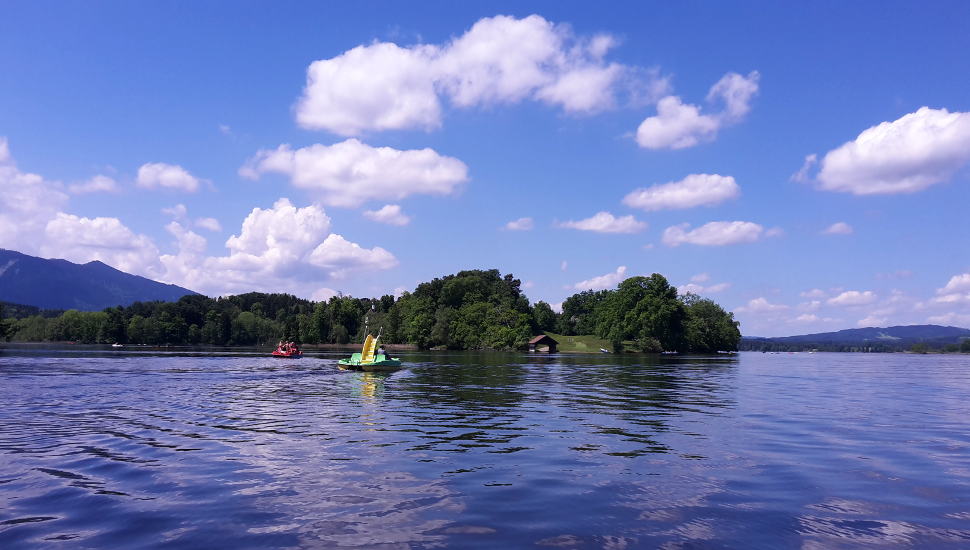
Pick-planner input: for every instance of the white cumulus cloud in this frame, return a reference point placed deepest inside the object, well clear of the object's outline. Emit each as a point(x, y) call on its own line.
point(713, 234)
point(211, 224)
point(814, 293)
point(27, 203)
point(602, 282)
point(853, 298)
point(838, 228)
point(761, 305)
point(502, 59)
point(873, 321)
point(390, 214)
point(282, 248)
point(97, 184)
point(340, 256)
point(702, 289)
point(678, 125)
point(350, 173)
point(906, 155)
point(693, 190)
point(957, 283)
point(521, 224)
point(155, 175)
point(604, 222)
point(82, 240)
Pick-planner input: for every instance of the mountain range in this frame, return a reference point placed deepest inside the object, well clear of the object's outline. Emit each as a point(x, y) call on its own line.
point(858, 339)
point(60, 284)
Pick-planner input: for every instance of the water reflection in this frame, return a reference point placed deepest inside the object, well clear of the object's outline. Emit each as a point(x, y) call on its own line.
point(477, 450)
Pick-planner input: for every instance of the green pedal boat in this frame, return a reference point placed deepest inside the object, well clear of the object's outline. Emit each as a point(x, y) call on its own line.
point(367, 360)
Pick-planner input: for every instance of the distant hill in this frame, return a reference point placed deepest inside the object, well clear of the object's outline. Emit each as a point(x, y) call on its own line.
point(861, 339)
point(60, 284)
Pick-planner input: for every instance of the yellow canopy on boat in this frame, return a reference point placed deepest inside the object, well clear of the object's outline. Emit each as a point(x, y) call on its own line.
point(367, 353)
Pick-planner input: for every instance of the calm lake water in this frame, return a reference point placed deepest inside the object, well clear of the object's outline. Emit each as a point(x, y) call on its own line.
point(102, 449)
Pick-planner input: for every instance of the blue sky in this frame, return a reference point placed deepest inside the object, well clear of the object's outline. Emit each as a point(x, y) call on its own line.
point(314, 148)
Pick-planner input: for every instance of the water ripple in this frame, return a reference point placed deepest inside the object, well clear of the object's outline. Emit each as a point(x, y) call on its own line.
point(101, 449)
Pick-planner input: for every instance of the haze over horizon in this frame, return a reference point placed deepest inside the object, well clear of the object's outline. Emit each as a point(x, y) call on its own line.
point(800, 165)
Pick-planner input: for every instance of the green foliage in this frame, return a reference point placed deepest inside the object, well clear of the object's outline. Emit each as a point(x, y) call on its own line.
point(965, 346)
point(578, 312)
point(474, 309)
point(919, 347)
point(645, 310)
point(708, 327)
point(544, 317)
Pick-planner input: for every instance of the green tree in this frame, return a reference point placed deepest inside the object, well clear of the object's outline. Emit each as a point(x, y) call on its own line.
point(642, 309)
point(213, 331)
point(579, 312)
point(194, 335)
point(137, 330)
point(544, 316)
point(708, 328)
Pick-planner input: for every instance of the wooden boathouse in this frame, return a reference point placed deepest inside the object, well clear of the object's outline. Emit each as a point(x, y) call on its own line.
point(543, 343)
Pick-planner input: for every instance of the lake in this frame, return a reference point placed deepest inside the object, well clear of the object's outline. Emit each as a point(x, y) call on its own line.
point(122, 449)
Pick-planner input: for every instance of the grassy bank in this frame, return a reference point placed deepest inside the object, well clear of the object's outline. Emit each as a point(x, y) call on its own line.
point(583, 343)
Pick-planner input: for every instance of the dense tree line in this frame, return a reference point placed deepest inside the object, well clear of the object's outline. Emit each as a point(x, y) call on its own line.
point(475, 309)
point(647, 315)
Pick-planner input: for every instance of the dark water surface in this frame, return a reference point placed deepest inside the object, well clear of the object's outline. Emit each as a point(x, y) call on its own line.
point(102, 449)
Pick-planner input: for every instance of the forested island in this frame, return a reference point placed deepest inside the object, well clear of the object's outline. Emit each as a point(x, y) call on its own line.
point(470, 310)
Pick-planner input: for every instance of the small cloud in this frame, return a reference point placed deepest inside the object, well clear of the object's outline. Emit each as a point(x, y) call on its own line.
point(700, 278)
point(813, 305)
point(564, 265)
point(695, 288)
point(390, 214)
point(802, 175)
point(521, 224)
point(225, 130)
point(761, 305)
point(957, 283)
point(873, 321)
point(693, 190)
point(154, 175)
point(853, 298)
point(604, 222)
point(713, 234)
point(323, 294)
point(528, 284)
point(179, 211)
point(838, 228)
point(211, 224)
point(814, 293)
point(350, 173)
point(602, 282)
point(678, 125)
point(97, 184)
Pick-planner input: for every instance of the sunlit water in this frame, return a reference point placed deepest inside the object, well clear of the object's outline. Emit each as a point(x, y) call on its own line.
point(102, 449)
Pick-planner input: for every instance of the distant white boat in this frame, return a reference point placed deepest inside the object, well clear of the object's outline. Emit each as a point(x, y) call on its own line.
point(604, 350)
point(117, 345)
